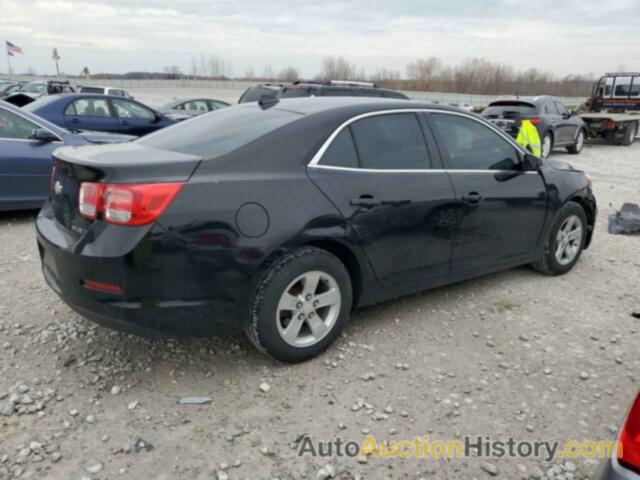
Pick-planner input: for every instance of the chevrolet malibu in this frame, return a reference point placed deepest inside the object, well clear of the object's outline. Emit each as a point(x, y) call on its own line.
point(279, 217)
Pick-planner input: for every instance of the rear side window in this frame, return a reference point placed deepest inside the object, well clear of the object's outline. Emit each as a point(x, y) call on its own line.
point(220, 132)
point(391, 142)
point(473, 146)
point(88, 107)
point(341, 152)
point(91, 90)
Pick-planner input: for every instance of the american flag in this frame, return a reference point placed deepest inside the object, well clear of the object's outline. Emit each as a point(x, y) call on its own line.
point(11, 48)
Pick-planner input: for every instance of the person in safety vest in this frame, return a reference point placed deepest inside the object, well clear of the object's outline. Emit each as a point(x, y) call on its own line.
point(529, 138)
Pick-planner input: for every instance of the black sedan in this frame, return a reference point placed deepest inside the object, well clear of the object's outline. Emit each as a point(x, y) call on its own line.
point(556, 125)
point(279, 218)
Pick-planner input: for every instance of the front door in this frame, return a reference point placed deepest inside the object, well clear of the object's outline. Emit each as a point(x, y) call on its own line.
point(133, 118)
point(379, 172)
point(503, 205)
point(25, 164)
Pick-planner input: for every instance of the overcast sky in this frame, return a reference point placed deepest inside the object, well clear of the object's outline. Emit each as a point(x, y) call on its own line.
point(564, 36)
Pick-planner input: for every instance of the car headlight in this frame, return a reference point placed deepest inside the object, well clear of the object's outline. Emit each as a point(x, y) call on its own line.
point(589, 180)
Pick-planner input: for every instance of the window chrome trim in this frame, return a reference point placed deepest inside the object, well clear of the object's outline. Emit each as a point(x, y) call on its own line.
point(315, 161)
point(431, 170)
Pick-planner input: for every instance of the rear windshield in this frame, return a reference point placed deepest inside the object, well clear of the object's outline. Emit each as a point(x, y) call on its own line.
point(41, 102)
point(219, 132)
point(92, 90)
point(510, 107)
point(254, 94)
point(294, 92)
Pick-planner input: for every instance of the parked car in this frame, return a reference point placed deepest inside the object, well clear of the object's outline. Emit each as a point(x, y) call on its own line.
point(9, 88)
point(624, 464)
point(334, 88)
point(115, 92)
point(183, 108)
point(29, 92)
point(337, 88)
point(556, 126)
point(278, 218)
point(26, 145)
point(253, 94)
point(463, 106)
point(99, 113)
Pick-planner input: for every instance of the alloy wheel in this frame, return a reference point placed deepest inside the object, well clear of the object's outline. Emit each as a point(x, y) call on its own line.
point(580, 141)
point(546, 146)
point(569, 240)
point(308, 309)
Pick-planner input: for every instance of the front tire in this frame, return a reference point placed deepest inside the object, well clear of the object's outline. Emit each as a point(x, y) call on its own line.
point(576, 148)
point(300, 306)
point(547, 144)
point(565, 241)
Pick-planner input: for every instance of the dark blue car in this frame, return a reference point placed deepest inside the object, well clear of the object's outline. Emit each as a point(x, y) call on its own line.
point(99, 113)
point(26, 145)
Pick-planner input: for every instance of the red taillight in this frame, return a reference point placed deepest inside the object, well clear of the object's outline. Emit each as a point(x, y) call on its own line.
point(90, 199)
point(128, 203)
point(101, 287)
point(536, 121)
point(629, 447)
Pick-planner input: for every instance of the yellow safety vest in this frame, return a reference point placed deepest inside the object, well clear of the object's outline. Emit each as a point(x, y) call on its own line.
point(529, 138)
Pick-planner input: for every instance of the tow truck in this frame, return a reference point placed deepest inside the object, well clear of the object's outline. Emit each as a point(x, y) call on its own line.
point(613, 111)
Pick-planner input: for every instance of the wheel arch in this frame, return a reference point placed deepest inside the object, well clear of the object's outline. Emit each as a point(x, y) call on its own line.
point(348, 258)
point(590, 212)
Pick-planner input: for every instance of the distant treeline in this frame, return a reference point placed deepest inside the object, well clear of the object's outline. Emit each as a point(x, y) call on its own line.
point(474, 76)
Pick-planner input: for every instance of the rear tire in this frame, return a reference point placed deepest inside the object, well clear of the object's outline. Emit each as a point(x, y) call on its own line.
point(547, 144)
point(630, 133)
point(577, 147)
point(563, 246)
point(290, 319)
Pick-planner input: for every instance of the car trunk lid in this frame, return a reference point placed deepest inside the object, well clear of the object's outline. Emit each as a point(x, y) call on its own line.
point(121, 163)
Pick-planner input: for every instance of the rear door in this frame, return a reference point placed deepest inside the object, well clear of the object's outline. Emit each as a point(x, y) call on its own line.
point(503, 206)
point(134, 118)
point(25, 164)
point(90, 113)
point(383, 174)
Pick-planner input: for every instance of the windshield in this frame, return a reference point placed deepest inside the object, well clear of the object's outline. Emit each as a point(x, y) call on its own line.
point(217, 133)
point(34, 88)
point(509, 108)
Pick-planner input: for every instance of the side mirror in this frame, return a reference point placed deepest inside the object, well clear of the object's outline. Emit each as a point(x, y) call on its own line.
point(573, 113)
point(43, 135)
point(531, 163)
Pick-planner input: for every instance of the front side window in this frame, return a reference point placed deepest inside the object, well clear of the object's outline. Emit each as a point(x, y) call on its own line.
point(342, 151)
point(88, 107)
point(132, 110)
point(391, 142)
point(474, 146)
point(15, 127)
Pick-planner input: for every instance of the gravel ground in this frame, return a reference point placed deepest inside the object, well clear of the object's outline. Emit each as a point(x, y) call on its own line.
point(513, 354)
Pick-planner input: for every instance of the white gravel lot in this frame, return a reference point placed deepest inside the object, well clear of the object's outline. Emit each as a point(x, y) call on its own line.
point(515, 354)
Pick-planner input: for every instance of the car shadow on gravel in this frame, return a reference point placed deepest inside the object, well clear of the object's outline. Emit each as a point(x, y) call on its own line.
point(236, 355)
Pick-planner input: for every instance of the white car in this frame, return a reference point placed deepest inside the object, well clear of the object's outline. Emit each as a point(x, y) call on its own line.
point(115, 92)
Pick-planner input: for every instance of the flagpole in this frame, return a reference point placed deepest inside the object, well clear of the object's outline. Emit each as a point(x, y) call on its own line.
point(9, 62)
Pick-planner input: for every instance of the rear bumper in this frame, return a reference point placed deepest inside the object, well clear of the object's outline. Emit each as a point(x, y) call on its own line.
point(168, 289)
